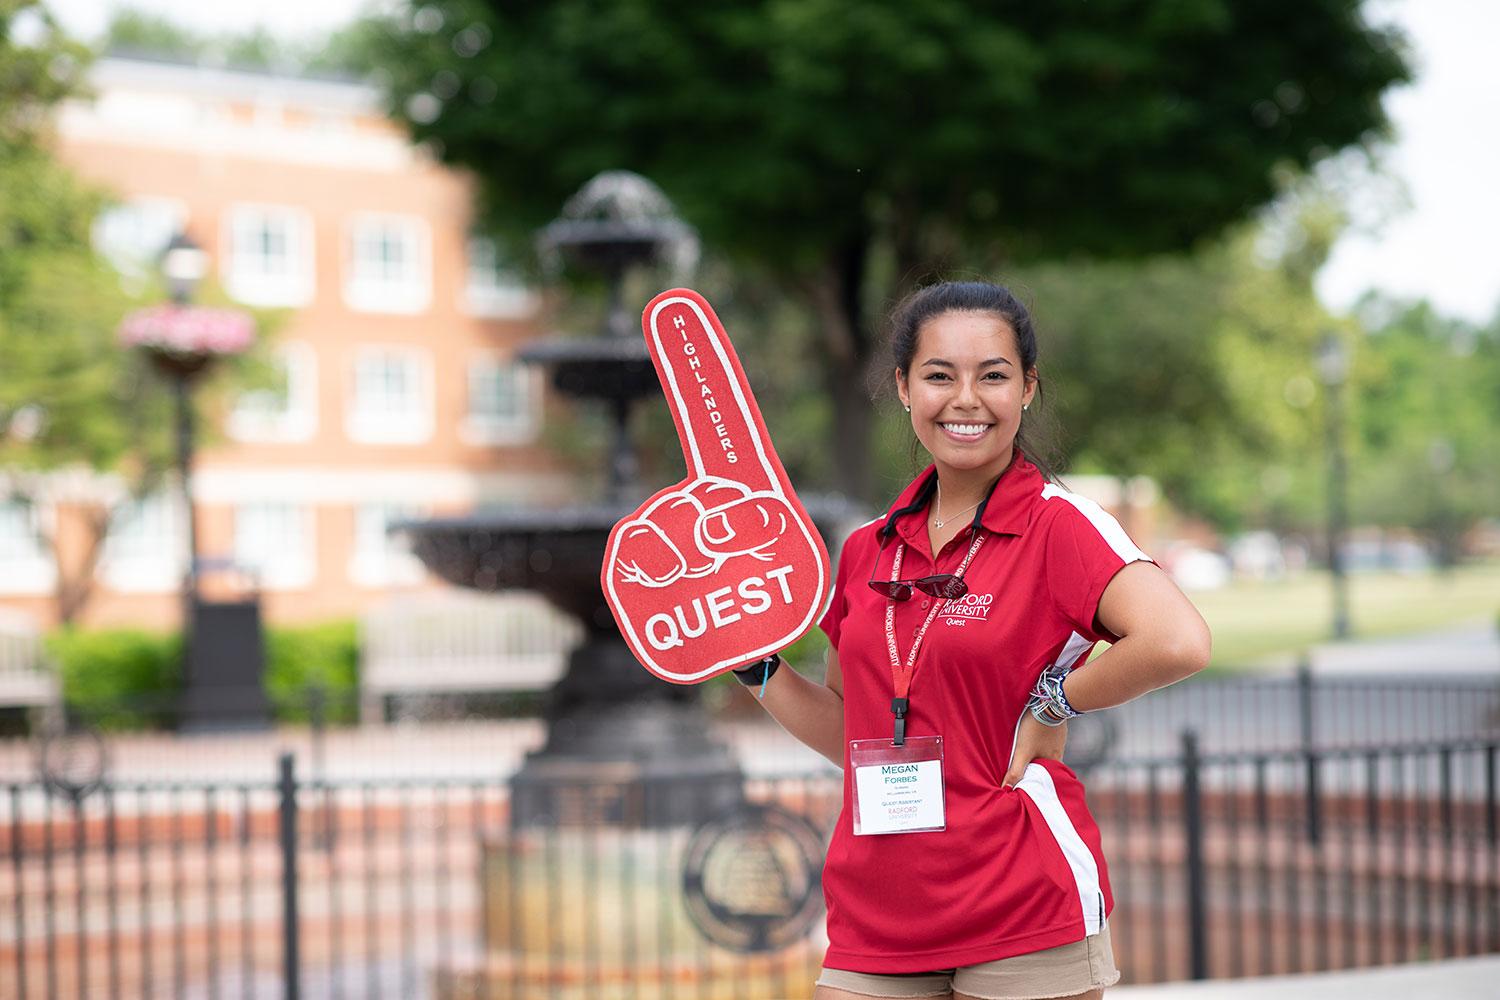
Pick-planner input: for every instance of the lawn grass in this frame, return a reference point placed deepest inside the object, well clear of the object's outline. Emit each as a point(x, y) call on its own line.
point(1254, 620)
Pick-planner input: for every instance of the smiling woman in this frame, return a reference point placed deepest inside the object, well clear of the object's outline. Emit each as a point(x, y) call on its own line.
point(966, 862)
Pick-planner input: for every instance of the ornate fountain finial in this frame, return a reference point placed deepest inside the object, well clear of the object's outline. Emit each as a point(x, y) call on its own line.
point(616, 220)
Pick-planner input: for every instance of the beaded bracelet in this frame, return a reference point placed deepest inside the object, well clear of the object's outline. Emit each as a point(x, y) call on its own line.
point(1048, 704)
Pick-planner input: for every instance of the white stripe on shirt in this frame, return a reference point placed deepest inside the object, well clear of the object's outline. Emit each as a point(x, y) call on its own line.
point(1104, 523)
point(1037, 783)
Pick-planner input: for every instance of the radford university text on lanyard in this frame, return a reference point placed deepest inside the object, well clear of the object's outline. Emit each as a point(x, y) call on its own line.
point(898, 783)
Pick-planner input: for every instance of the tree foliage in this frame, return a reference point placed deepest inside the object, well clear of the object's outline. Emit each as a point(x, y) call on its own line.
point(847, 151)
point(71, 398)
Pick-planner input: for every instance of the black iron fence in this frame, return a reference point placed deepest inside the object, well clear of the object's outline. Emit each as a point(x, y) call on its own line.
point(479, 737)
point(1222, 865)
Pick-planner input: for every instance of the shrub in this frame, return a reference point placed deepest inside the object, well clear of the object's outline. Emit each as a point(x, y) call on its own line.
point(130, 678)
point(307, 657)
point(118, 678)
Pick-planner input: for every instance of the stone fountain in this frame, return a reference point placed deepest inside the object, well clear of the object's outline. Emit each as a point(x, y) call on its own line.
point(622, 747)
point(628, 769)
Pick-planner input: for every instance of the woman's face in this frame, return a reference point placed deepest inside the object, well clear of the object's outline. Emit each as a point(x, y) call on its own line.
point(966, 390)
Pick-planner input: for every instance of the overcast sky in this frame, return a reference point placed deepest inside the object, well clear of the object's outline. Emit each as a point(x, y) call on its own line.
point(1447, 154)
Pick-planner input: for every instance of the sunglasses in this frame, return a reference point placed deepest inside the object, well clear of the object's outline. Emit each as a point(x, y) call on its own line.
point(945, 585)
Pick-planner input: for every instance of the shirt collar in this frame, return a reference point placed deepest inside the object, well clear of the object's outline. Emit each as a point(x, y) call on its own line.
point(1006, 511)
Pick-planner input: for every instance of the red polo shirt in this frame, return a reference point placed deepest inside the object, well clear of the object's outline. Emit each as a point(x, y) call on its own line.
point(1014, 871)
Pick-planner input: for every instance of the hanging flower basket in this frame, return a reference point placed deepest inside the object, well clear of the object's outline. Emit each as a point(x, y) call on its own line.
point(183, 340)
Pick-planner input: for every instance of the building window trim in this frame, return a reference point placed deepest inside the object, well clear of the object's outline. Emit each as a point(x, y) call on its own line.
point(494, 429)
point(413, 425)
point(289, 562)
point(391, 563)
point(27, 565)
point(491, 291)
point(411, 292)
point(296, 284)
point(252, 422)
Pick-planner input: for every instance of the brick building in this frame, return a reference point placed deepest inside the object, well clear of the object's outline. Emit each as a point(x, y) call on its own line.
point(400, 394)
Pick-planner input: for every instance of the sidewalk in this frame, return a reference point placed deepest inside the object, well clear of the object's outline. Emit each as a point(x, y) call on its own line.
point(1458, 979)
point(1470, 649)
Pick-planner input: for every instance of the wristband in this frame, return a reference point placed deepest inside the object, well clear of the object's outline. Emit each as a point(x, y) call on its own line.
point(758, 672)
point(1048, 704)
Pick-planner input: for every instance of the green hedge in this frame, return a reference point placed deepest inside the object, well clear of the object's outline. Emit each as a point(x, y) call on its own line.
point(127, 678)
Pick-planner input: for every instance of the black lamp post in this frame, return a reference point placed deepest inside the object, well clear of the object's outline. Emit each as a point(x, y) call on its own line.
point(183, 265)
point(222, 642)
point(1333, 371)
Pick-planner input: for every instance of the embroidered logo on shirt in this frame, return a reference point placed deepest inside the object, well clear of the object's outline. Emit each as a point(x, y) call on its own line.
point(968, 608)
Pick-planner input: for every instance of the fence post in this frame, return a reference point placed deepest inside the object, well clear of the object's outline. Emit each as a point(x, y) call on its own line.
point(1197, 883)
point(1312, 803)
point(291, 967)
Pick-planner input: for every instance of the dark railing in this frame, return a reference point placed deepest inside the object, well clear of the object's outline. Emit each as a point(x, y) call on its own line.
point(480, 736)
point(1222, 865)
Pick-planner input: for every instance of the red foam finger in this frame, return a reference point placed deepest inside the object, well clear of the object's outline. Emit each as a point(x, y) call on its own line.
point(724, 566)
point(718, 423)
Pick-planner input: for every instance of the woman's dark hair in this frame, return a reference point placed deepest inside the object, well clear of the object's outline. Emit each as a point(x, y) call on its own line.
point(981, 297)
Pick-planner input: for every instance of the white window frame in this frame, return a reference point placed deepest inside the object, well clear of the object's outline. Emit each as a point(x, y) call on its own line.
point(391, 562)
point(153, 562)
point(411, 426)
point(256, 419)
point(289, 562)
point(409, 293)
point(290, 286)
point(132, 257)
point(31, 567)
point(486, 291)
point(489, 429)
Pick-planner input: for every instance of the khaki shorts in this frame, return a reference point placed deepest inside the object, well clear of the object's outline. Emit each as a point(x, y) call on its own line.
point(1063, 971)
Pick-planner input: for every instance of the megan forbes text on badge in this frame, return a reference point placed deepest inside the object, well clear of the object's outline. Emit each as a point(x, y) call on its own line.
point(725, 606)
point(896, 774)
point(706, 393)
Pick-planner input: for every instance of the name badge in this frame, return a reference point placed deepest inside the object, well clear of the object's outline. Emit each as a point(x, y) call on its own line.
point(898, 789)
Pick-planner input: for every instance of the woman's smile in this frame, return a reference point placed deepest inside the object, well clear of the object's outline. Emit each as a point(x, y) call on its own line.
point(965, 432)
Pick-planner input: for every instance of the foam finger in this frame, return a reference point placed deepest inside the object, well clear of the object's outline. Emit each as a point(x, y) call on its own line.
point(718, 423)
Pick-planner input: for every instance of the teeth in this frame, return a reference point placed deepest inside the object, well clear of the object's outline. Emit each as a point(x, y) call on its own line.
point(966, 428)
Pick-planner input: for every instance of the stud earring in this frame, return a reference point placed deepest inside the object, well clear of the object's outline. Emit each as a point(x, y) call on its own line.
point(908, 409)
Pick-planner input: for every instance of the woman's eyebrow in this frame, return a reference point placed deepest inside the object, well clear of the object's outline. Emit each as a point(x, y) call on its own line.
point(939, 362)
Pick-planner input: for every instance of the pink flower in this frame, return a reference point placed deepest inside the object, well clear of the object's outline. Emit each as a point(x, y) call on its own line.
point(188, 330)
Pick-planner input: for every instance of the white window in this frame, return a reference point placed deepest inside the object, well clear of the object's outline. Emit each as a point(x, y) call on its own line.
point(146, 549)
point(134, 234)
point(389, 266)
point(274, 542)
point(380, 558)
point(391, 402)
point(269, 255)
point(26, 563)
point(504, 398)
point(287, 410)
point(491, 288)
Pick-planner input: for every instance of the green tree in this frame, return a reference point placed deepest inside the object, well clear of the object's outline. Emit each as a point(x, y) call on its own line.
point(847, 151)
point(70, 397)
point(1427, 424)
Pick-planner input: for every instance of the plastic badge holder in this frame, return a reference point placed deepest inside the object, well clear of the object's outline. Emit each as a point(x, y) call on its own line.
point(898, 789)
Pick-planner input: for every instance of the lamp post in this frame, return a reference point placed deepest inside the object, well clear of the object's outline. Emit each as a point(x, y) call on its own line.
point(183, 265)
point(1333, 371)
point(222, 645)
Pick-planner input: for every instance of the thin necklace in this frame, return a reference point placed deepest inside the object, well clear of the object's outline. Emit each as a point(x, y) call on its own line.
point(937, 512)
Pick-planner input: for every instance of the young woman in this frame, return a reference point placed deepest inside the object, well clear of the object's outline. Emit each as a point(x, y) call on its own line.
point(965, 862)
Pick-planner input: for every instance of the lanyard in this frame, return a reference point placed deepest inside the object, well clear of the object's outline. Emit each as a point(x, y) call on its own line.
point(901, 674)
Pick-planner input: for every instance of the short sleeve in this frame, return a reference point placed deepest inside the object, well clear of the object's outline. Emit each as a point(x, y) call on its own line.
point(1086, 547)
point(833, 618)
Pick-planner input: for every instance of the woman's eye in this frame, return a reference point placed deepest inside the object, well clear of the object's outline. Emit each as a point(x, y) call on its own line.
point(995, 376)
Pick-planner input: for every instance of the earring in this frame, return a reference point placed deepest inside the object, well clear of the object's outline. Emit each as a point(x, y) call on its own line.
point(908, 409)
point(1026, 407)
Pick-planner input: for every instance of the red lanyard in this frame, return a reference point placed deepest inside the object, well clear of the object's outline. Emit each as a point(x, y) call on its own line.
point(901, 674)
